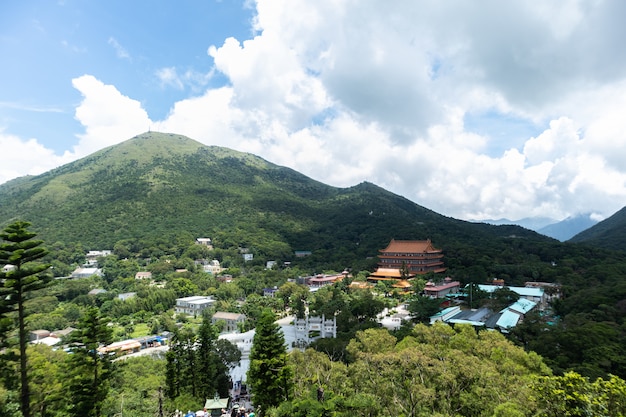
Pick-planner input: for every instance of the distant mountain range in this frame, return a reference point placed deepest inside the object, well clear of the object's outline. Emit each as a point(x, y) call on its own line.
point(568, 228)
point(560, 230)
point(156, 186)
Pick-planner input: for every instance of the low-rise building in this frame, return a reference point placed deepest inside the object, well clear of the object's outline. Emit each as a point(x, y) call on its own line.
point(440, 290)
point(143, 275)
point(535, 294)
point(86, 272)
point(270, 292)
point(193, 305)
point(231, 320)
point(126, 295)
point(212, 267)
point(205, 241)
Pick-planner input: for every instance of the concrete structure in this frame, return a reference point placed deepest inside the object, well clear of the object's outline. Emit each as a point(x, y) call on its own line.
point(441, 290)
point(193, 305)
point(445, 314)
point(205, 241)
point(270, 292)
point(319, 326)
point(143, 275)
point(126, 295)
point(86, 272)
point(212, 267)
point(322, 280)
point(232, 320)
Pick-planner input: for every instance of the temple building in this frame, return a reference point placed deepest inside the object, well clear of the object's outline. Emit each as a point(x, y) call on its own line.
point(418, 256)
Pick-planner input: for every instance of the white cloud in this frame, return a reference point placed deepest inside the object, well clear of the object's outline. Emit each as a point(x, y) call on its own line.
point(170, 77)
point(26, 157)
point(120, 51)
point(108, 116)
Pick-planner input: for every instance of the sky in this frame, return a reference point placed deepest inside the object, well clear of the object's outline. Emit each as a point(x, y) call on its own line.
point(476, 110)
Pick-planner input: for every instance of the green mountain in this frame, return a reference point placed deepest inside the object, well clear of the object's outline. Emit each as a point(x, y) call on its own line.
point(610, 233)
point(157, 185)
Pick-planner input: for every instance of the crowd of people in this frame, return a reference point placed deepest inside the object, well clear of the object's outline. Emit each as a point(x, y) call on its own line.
point(237, 411)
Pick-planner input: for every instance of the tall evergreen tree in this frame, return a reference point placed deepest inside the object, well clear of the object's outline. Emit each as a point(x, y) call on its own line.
point(206, 358)
point(24, 276)
point(89, 370)
point(181, 367)
point(269, 376)
point(203, 358)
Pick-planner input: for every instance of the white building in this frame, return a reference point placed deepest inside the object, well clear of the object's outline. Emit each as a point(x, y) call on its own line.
point(212, 267)
point(193, 305)
point(86, 272)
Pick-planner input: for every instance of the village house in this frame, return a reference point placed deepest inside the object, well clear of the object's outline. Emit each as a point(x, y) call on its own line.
point(231, 320)
point(212, 267)
point(442, 289)
point(86, 272)
point(270, 292)
point(193, 305)
point(143, 275)
point(91, 258)
point(126, 295)
point(315, 282)
point(321, 280)
point(205, 241)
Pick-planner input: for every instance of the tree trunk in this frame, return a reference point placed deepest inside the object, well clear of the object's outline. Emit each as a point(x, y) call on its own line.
point(25, 392)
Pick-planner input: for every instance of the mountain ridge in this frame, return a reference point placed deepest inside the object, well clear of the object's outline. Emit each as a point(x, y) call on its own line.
point(158, 184)
point(609, 233)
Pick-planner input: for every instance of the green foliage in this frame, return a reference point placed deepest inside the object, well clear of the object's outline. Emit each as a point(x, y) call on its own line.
point(136, 388)
point(47, 378)
point(269, 375)
point(502, 298)
point(197, 365)
point(574, 395)
point(20, 250)
point(89, 372)
point(436, 371)
point(422, 308)
point(609, 233)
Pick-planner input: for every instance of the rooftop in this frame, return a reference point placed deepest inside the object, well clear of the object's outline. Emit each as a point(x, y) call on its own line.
point(410, 246)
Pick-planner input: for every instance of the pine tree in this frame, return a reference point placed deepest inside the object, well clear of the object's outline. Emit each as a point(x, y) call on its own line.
point(89, 370)
point(269, 376)
point(23, 277)
point(207, 359)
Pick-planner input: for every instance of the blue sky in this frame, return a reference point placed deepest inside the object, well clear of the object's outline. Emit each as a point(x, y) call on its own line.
point(477, 111)
point(120, 42)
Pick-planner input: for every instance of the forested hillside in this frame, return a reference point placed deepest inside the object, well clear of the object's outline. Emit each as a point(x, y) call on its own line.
point(155, 187)
point(609, 233)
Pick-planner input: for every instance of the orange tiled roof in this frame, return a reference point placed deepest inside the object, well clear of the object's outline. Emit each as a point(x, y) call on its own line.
point(402, 284)
point(386, 273)
point(410, 246)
